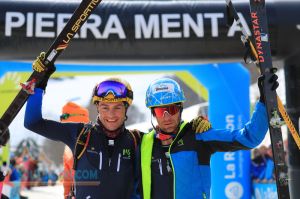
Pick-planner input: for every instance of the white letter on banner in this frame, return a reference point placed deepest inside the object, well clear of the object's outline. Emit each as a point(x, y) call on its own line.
point(230, 122)
point(29, 25)
point(167, 24)
point(41, 23)
point(10, 23)
point(214, 22)
point(62, 19)
point(92, 24)
point(113, 25)
point(235, 27)
point(230, 168)
point(189, 23)
point(229, 156)
point(142, 28)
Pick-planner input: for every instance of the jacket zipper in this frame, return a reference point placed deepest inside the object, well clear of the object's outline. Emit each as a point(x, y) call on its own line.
point(174, 178)
point(119, 162)
point(100, 161)
point(160, 167)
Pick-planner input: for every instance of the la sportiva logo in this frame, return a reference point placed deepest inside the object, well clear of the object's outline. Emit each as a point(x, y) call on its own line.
point(82, 18)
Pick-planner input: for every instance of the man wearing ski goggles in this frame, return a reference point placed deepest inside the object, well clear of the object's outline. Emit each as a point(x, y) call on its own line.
point(118, 89)
point(169, 109)
point(107, 150)
point(112, 99)
point(185, 148)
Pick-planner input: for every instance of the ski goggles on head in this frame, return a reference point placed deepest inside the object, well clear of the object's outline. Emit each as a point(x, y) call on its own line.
point(118, 89)
point(170, 109)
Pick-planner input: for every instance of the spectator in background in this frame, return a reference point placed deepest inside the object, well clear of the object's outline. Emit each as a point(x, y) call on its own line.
point(71, 112)
point(14, 180)
point(256, 164)
point(28, 164)
point(262, 166)
point(68, 172)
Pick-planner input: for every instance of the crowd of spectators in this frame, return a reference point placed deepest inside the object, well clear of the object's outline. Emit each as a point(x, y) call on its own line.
point(23, 172)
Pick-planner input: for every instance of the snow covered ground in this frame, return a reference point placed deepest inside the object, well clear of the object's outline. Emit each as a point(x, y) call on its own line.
point(46, 192)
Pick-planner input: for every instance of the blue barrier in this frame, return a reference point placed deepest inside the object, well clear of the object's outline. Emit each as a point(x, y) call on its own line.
point(264, 191)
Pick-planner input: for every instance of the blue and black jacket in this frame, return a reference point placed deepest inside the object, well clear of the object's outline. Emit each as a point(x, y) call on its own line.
point(98, 175)
point(189, 158)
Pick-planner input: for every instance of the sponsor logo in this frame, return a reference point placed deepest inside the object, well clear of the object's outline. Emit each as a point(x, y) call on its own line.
point(164, 88)
point(126, 154)
point(82, 18)
point(180, 142)
point(234, 190)
point(258, 36)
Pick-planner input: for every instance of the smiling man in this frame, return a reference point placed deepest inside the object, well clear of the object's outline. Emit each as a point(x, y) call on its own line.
point(104, 153)
point(175, 160)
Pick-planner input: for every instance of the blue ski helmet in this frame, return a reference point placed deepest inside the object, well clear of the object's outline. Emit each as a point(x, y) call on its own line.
point(164, 91)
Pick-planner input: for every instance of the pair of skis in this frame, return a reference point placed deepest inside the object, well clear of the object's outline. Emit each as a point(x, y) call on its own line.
point(62, 41)
point(260, 54)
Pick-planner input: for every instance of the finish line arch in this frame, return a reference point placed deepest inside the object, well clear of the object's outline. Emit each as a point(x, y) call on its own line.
point(228, 90)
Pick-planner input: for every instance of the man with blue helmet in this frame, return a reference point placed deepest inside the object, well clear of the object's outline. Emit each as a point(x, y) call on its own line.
point(175, 161)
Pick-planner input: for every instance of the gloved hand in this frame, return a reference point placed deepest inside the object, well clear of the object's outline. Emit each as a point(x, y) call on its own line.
point(200, 124)
point(273, 81)
point(38, 66)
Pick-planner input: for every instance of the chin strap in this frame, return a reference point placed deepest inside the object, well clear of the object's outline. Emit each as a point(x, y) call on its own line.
point(164, 137)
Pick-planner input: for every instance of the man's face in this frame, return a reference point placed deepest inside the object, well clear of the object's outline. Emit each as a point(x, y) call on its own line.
point(167, 122)
point(111, 114)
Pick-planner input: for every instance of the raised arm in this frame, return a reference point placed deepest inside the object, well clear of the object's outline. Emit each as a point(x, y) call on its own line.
point(65, 132)
point(248, 137)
